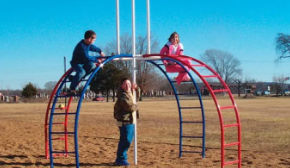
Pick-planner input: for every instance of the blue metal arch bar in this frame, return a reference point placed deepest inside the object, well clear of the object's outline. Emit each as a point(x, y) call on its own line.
point(81, 96)
point(179, 107)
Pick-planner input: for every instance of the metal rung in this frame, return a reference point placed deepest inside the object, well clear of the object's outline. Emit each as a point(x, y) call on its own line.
point(61, 154)
point(190, 107)
point(209, 76)
point(79, 81)
point(59, 108)
point(56, 123)
point(62, 138)
point(62, 133)
point(232, 144)
point(192, 122)
point(68, 96)
point(227, 107)
point(182, 81)
point(191, 152)
point(192, 137)
point(221, 90)
point(231, 125)
point(186, 81)
point(197, 65)
point(187, 94)
point(232, 162)
point(63, 113)
point(64, 152)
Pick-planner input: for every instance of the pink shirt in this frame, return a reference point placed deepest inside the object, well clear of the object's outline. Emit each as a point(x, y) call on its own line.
point(170, 49)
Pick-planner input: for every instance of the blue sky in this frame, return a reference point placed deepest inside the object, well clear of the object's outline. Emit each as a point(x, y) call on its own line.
point(36, 35)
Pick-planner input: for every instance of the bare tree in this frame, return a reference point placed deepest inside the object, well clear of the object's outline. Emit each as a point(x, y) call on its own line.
point(243, 84)
point(239, 83)
point(278, 84)
point(50, 85)
point(224, 63)
point(163, 84)
point(145, 71)
point(250, 80)
point(283, 45)
point(8, 89)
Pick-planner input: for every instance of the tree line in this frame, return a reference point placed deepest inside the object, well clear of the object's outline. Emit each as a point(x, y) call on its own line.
point(107, 79)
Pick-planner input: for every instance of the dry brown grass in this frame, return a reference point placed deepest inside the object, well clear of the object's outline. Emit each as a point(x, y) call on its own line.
point(265, 135)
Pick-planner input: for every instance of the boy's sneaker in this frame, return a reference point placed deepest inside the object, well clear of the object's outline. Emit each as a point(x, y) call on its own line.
point(122, 163)
point(71, 92)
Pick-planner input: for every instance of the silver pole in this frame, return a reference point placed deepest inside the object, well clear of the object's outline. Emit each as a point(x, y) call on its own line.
point(133, 28)
point(148, 28)
point(118, 26)
point(134, 78)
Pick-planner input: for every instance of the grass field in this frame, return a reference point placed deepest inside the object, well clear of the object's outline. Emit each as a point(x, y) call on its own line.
point(265, 135)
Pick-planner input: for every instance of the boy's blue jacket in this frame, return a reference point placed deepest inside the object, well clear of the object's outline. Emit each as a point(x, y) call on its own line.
point(81, 53)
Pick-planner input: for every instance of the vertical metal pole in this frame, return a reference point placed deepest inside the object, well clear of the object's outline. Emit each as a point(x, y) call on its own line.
point(118, 26)
point(133, 28)
point(148, 28)
point(134, 78)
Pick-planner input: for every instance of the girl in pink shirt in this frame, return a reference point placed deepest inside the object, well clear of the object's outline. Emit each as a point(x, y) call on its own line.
point(175, 48)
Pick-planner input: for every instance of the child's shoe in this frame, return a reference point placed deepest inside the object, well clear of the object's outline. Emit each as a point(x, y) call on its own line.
point(71, 92)
point(122, 163)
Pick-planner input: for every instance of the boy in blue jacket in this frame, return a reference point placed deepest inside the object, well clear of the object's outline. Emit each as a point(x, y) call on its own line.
point(81, 61)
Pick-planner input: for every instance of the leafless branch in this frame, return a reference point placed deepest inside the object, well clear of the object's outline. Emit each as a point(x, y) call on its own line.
point(224, 63)
point(283, 45)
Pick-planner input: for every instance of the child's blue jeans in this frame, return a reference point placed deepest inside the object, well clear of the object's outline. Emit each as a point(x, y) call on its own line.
point(126, 137)
point(81, 71)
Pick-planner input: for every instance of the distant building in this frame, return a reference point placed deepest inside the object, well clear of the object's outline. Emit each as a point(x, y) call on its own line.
point(15, 99)
point(234, 87)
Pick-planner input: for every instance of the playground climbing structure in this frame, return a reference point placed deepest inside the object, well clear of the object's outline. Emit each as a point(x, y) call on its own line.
point(61, 123)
